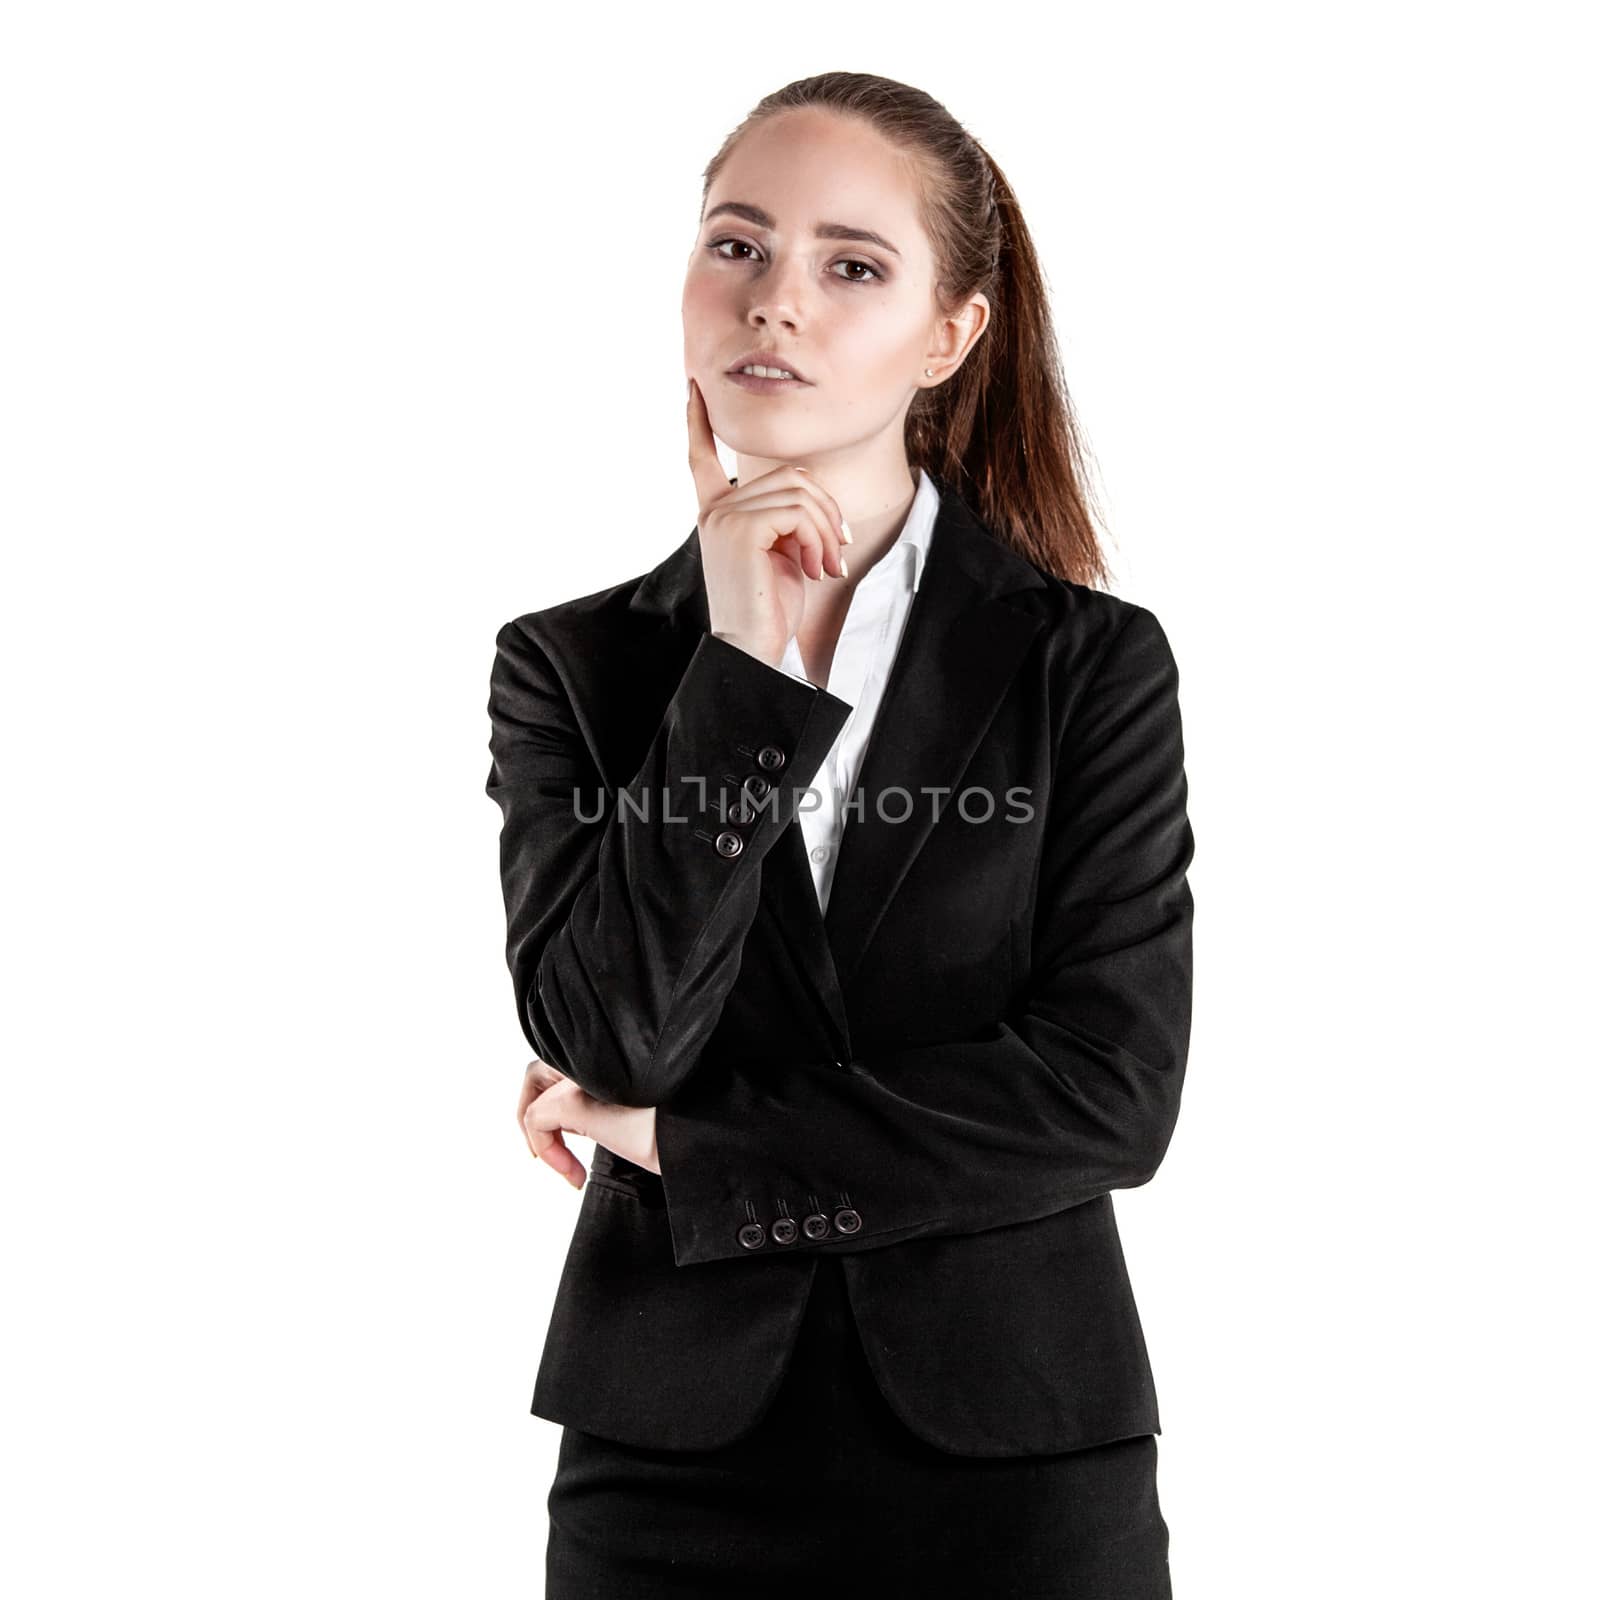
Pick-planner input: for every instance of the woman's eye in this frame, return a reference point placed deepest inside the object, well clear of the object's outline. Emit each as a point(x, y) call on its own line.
point(866, 264)
point(716, 247)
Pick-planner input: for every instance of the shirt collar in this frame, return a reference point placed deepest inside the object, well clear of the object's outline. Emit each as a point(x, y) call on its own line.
point(910, 548)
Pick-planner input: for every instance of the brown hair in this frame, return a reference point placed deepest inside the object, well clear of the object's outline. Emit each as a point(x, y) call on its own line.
point(1001, 430)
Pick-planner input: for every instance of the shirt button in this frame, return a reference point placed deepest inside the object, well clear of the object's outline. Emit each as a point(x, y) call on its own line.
point(729, 843)
point(819, 852)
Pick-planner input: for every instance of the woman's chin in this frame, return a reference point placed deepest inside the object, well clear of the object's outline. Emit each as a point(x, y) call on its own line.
point(766, 444)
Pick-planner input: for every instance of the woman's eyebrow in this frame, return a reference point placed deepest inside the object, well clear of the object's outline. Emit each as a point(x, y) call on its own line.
point(823, 230)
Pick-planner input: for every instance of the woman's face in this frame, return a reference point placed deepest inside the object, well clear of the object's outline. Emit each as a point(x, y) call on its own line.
point(854, 316)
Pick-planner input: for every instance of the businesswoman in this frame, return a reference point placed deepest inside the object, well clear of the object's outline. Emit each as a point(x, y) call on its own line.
point(845, 864)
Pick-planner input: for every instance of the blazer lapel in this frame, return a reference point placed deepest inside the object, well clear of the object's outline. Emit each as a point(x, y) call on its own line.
point(962, 646)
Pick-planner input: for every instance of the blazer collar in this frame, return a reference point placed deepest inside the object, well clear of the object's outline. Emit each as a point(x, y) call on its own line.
point(962, 646)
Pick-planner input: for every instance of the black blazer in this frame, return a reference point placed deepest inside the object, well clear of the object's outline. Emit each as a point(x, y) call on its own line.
point(942, 1081)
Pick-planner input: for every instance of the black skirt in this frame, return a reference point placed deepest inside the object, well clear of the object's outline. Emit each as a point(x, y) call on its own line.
point(832, 1493)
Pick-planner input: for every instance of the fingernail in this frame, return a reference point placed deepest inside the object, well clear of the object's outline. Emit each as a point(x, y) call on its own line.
point(844, 567)
point(849, 538)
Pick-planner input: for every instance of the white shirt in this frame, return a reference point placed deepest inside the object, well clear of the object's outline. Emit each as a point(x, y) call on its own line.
point(873, 626)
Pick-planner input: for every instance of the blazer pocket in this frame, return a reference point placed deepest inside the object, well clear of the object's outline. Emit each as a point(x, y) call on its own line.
point(636, 1183)
point(602, 1180)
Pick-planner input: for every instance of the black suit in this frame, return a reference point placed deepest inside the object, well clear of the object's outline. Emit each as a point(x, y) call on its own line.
point(941, 1082)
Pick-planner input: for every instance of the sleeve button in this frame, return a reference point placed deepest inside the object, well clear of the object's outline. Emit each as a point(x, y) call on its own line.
point(769, 758)
point(752, 1236)
point(816, 1226)
point(729, 843)
point(785, 1231)
point(847, 1221)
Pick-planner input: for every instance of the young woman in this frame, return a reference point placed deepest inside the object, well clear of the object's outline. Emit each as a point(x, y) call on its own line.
point(845, 862)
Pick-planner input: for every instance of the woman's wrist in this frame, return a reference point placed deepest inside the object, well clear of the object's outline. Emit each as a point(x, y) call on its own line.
point(743, 644)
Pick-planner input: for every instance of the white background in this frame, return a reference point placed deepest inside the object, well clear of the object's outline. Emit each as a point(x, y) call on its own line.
point(336, 335)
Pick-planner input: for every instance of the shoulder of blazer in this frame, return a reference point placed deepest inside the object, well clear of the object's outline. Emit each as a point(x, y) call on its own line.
point(588, 617)
point(1084, 623)
point(606, 667)
point(1081, 631)
point(601, 646)
point(1080, 624)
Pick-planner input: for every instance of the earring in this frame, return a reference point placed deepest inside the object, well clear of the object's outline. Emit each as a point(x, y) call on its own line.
point(927, 372)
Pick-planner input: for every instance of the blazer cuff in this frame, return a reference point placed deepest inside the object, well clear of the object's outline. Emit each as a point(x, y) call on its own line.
point(744, 694)
point(729, 1142)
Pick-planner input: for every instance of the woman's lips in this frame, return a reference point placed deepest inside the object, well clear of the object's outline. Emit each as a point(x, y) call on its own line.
point(755, 385)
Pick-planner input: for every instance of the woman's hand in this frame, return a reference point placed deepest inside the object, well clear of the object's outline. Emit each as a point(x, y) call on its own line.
point(551, 1105)
point(759, 543)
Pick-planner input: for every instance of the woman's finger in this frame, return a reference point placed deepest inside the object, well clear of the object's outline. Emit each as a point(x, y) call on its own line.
point(710, 481)
point(546, 1144)
point(800, 519)
point(538, 1077)
point(551, 1115)
point(829, 518)
point(549, 1145)
point(819, 549)
point(834, 510)
point(551, 1148)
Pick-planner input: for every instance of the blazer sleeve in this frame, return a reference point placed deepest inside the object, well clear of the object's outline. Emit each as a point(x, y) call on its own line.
point(626, 913)
point(1074, 1094)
